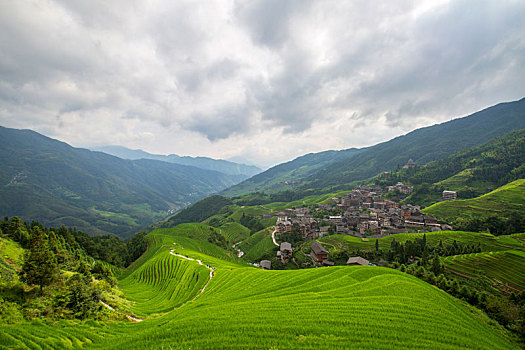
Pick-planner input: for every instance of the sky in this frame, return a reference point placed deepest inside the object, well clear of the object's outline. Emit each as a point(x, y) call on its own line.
point(260, 82)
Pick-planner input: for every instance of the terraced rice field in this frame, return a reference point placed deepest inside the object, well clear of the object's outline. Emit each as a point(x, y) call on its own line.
point(487, 241)
point(247, 308)
point(257, 245)
point(163, 284)
point(234, 232)
point(504, 201)
point(504, 270)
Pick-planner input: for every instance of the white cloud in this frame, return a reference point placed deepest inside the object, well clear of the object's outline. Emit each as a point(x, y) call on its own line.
point(261, 80)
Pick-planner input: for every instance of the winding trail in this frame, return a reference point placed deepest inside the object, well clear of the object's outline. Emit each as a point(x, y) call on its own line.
point(212, 269)
point(273, 238)
point(240, 253)
point(129, 317)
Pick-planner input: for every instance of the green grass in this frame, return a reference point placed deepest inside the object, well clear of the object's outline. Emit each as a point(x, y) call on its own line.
point(163, 284)
point(504, 201)
point(11, 259)
point(503, 270)
point(460, 180)
point(247, 308)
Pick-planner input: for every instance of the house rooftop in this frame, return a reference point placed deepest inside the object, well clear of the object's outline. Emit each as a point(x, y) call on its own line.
point(266, 264)
point(357, 260)
point(286, 246)
point(317, 248)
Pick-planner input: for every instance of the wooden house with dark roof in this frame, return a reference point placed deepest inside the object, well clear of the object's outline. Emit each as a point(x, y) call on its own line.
point(318, 252)
point(265, 264)
point(357, 260)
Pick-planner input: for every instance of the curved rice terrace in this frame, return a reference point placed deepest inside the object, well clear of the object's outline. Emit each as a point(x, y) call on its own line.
point(503, 270)
point(244, 307)
point(487, 241)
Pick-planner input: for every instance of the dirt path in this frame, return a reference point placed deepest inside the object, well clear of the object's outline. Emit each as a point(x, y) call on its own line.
point(240, 253)
point(129, 317)
point(212, 269)
point(273, 238)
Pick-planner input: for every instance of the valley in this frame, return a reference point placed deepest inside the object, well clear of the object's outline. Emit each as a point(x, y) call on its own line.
point(427, 253)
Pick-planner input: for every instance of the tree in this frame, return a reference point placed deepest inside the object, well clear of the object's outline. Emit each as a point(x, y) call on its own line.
point(40, 266)
point(82, 297)
point(377, 245)
point(436, 265)
point(17, 230)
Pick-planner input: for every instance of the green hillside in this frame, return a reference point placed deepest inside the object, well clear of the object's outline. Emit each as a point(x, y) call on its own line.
point(506, 202)
point(49, 181)
point(423, 145)
point(285, 176)
point(471, 172)
point(245, 307)
point(331, 171)
point(258, 246)
point(199, 211)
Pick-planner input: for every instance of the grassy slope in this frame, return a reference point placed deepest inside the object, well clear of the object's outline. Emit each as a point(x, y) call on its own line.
point(257, 245)
point(234, 232)
point(11, 259)
point(245, 307)
point(503, 201)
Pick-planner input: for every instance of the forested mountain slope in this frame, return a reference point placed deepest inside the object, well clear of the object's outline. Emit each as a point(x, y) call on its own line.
point(471, 172)
point(220, 165)
point(423, 145)
point(49, 181)
point(287, 175)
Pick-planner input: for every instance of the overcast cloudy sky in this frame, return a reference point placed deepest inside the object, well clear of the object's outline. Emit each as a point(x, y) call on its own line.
point(260, 81)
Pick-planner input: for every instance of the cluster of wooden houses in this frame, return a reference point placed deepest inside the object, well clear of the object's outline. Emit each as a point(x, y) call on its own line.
point(318, 254)
point(362, 212)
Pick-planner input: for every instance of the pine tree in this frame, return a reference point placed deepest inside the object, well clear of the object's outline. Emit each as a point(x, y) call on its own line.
point(436, 265)
point(40, 266)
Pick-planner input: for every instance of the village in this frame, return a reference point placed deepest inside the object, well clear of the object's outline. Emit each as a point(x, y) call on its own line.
point(361, 213)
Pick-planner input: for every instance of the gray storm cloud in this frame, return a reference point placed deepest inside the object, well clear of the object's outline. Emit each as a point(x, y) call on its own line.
point(259, 80)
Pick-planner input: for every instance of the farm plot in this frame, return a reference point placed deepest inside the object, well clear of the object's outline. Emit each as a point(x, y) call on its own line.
point(487, 241)
point(504, 270)
point(163, 284)
point(342, 307)
point(248, 308)
point(234, 232)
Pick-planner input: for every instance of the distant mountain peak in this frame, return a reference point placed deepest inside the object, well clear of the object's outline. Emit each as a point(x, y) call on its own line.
point(220, 165)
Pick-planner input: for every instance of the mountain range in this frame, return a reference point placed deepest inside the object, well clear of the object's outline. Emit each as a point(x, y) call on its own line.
point(339, 170)
point(219, 165)
point(50, 181)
